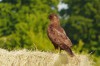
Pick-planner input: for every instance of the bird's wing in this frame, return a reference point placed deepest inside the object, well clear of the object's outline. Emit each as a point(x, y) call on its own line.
point(63, 37)
point(59, 37)
point(52, 34)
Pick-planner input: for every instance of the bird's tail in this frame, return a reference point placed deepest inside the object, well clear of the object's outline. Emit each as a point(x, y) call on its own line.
point(67, 49)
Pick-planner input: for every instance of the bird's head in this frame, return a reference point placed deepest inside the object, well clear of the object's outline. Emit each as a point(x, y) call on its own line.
point(54, 19)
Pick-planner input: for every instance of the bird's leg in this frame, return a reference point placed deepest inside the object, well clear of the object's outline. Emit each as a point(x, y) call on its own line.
point(56, 48)
point(59, 50)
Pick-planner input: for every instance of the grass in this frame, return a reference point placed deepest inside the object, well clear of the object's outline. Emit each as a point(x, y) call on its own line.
point(40, 58)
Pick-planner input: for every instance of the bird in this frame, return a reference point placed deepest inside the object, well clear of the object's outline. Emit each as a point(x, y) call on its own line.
point(58, 36)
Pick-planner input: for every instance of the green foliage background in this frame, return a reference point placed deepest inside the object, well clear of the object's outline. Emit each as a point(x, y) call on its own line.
point(23, 24)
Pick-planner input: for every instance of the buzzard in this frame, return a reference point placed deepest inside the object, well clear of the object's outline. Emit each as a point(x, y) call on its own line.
point(58, 36)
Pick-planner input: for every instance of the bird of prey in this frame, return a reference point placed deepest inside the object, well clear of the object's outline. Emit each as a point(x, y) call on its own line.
point(58, 36)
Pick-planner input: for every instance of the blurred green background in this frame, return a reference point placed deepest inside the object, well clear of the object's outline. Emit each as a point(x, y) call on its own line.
point(23, 24)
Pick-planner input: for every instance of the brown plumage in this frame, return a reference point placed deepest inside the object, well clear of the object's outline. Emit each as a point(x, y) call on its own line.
point(58, 36)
